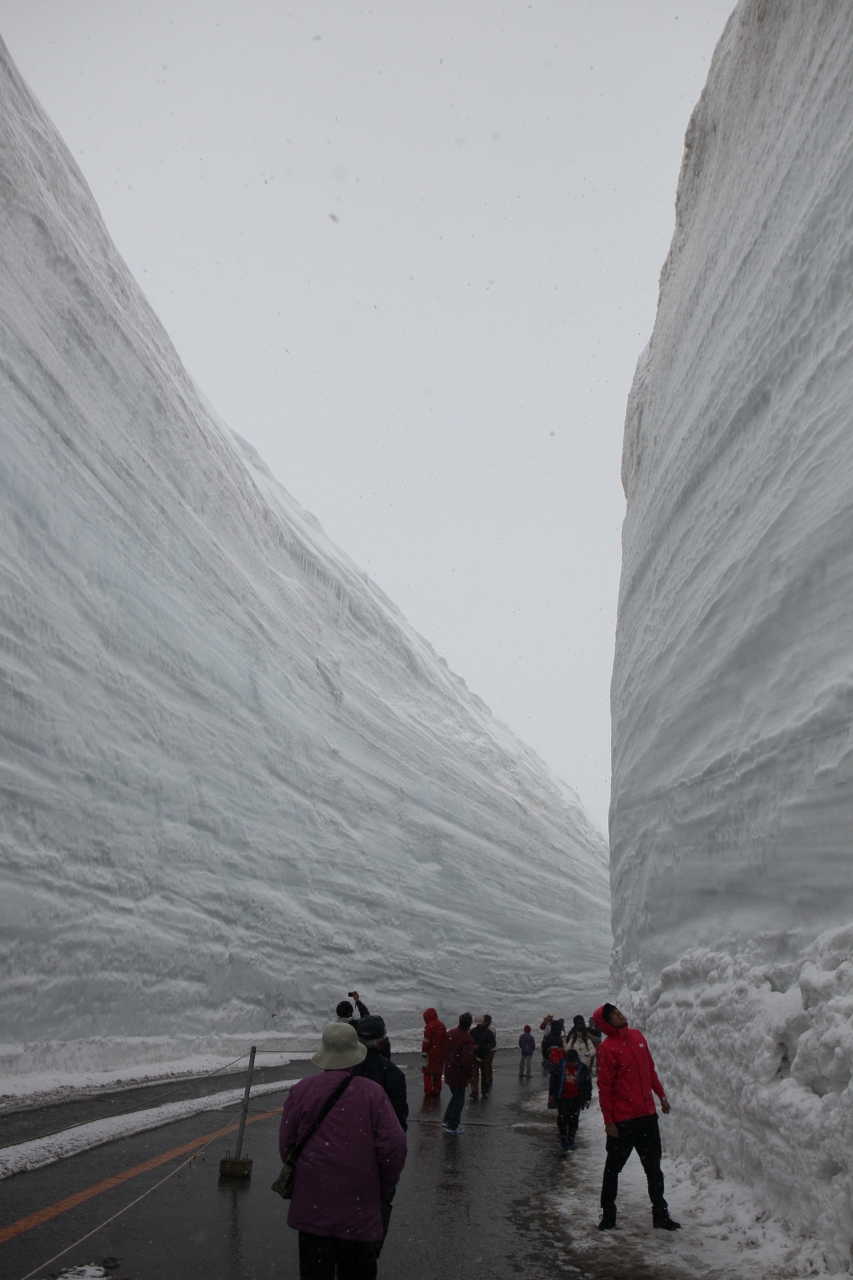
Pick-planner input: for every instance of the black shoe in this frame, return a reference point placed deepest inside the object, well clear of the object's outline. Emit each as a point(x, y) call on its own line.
point(608, 1220)
point(661, 1218)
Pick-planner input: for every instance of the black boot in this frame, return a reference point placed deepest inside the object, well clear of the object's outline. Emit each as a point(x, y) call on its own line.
point(608, 1220)
point(661, 1218)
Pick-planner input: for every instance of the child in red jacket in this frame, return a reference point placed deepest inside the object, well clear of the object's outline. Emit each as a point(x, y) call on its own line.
point(569, 1093)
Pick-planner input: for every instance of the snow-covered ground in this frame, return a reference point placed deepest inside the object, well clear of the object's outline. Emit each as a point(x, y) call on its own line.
point(726, 1231)
point(235, 782)
point(732, 805)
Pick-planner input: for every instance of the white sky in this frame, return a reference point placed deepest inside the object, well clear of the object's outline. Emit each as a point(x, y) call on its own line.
point(410, 250)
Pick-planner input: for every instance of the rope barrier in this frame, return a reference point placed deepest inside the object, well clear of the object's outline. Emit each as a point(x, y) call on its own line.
point(107, 1221)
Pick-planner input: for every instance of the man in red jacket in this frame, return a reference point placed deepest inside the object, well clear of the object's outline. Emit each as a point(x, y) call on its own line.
point(458, 1069)
point(626, 1081)
point(432, 1053)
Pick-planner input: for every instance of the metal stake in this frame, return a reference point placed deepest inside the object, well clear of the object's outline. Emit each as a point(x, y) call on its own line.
point(234, 1167)
point(245, 1110)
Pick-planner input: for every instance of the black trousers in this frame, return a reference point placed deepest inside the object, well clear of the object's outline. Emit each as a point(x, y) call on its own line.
point(568, 1113)
point(328, 1258)
point(643, 1136)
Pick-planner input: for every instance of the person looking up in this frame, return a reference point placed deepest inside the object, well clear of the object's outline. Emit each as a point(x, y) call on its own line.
point(626, 1082)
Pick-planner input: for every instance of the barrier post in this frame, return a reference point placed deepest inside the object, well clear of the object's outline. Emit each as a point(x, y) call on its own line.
point(235, 1167)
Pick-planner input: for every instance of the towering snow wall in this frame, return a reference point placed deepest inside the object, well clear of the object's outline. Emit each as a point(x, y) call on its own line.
point(234, 781)
point(732, 805)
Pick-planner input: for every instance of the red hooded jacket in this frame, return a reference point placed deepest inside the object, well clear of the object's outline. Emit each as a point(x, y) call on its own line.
point(458, 1057)
point(435, 1034)
point(626, 1073)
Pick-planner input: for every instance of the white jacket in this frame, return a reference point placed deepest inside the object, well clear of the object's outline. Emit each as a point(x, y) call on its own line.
point(585, 1049)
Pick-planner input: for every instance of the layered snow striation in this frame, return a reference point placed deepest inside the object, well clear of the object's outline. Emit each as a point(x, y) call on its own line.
point(732, 696)
point(235, 783)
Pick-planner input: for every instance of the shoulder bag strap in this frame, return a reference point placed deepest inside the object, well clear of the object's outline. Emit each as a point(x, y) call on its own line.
point(326, 1108)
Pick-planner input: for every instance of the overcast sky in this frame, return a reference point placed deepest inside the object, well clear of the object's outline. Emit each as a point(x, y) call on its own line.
point(410, 250)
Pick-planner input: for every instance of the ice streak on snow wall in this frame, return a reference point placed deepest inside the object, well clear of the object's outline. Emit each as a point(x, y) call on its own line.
point(234, 781)
point(732, 802)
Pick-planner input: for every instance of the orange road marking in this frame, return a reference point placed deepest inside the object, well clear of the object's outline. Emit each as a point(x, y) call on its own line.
point(71, 1202)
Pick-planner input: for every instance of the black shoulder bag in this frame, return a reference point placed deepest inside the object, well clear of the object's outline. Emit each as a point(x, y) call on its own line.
point(283, 1185)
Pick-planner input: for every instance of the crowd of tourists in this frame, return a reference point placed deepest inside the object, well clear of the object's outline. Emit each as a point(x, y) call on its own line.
point(341, 1186)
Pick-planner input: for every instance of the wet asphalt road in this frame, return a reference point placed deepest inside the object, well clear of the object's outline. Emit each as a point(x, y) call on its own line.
point(479, 1203)
point(22, 1125)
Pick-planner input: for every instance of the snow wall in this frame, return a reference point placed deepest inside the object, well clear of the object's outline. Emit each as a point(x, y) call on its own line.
point(235, 783)
point(732, 805)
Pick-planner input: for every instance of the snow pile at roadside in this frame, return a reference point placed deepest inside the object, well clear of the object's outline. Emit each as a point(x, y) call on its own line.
point(45, 1087)
point(23, 1156)
point(235, 782)
point(726, 1229)
point(733, 687)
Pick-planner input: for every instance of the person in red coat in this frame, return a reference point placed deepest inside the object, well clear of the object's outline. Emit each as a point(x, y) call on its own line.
point(432, 1053)
point(626, 1082)
point(458, 1069)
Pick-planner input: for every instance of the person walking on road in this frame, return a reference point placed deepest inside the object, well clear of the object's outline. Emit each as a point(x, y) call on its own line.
point(371, 1033)
point(570, 1092)
point(626, 1082)
point(580, 1040)
point(527, 1045)
point(546, 1044)
point(485, 1043)
point(458, 1067)
point(432, 1053)
point(347, 1167)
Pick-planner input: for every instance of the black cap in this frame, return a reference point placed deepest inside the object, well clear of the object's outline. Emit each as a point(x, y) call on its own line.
point(370, 1028)
point(344, 1009)
point(578, 1020)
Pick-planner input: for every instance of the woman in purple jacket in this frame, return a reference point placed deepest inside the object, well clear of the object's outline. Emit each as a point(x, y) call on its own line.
point(347, 1167)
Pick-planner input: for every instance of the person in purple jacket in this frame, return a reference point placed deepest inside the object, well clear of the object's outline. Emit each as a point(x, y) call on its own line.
point(527, 1045)
point(347, 1167)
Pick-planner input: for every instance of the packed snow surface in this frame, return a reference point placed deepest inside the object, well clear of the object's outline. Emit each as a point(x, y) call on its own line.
point(235, 783)
point(732, 806)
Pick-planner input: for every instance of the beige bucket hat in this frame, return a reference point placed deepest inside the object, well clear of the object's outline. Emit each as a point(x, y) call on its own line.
point(341, 1048)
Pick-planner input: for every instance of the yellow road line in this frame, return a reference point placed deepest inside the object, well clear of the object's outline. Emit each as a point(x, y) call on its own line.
point(79, 1197)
